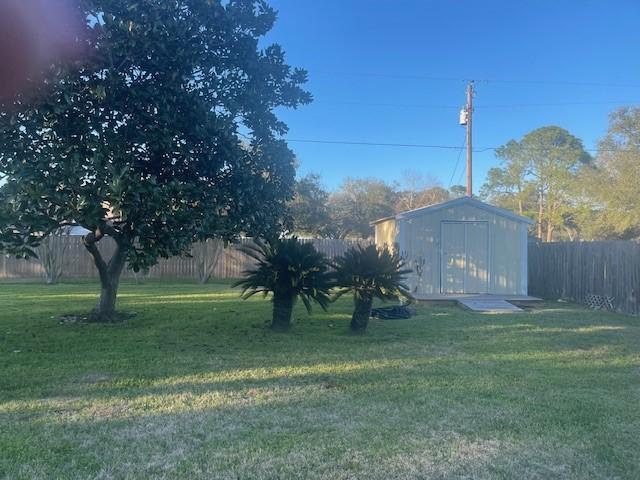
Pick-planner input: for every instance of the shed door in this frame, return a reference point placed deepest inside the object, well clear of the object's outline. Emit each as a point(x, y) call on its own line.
point(465, 247)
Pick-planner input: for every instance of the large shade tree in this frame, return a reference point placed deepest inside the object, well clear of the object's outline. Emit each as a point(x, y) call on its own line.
point(162, 134)
point(610, 186)
point(538, 177)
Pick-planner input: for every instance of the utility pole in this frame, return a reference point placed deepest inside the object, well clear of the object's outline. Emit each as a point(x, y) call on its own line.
point(469, 111)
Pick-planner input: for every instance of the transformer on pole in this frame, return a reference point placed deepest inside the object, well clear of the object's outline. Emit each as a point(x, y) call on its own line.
point(466, 118)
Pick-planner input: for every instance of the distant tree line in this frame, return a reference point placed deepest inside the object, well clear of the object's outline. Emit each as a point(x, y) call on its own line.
point(570, 193)
point(548, 175)
point(348, 211)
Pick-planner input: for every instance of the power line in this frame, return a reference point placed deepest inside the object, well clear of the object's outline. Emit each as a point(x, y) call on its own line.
point(377, 104)
point(389, 75)
point(457, 161)
point(564, 82)
point(462, 172)
point(456, 107)
point(486, 80)
point(558, 104)
point(421, 145)
point(372, 144)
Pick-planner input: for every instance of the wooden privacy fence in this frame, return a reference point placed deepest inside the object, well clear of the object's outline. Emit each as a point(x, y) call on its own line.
point(573, 270)
point(77, 263)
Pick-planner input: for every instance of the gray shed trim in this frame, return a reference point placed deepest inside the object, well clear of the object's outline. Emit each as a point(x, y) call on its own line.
point(384, 219)
point(464, 201)
point(524, 259)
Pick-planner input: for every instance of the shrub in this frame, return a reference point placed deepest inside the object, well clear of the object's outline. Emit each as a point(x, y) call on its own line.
point(369, 273)
point(289, 269)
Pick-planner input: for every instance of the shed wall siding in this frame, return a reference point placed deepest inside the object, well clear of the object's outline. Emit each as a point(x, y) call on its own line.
point(386, 233)
point(421, 240)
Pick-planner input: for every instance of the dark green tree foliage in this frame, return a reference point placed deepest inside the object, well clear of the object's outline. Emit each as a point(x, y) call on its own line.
point(289, 269)
point(308, 209)
point(139, 140)
point(370, 273)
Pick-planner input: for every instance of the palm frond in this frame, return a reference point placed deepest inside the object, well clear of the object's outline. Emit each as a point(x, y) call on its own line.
point(371, 272)
point(290, 268)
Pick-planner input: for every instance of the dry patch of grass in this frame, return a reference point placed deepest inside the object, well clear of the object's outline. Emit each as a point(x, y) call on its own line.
point(195, 386)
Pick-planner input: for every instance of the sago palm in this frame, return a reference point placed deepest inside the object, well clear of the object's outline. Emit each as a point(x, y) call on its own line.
point(369, 273)
point(289, 269)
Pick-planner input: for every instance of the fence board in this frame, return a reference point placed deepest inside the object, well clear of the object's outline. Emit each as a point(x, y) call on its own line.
point(573, 270)
point(79, 264)
point(570, 270)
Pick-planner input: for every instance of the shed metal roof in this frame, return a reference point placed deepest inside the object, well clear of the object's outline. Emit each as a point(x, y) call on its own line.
point(454, 203)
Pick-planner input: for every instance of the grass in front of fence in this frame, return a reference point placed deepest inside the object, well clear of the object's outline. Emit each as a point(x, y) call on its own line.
point(195, 386)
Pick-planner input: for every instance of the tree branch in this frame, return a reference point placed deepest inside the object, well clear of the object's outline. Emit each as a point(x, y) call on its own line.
point(90, 240)
point(107, 229)
point(55, 227)
point(117, 261)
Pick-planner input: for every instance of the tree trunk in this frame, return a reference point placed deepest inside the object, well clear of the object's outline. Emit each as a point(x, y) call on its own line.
point(105, 310)
point(551, 208)
point(361, 314)
point(207, 255)
point(550, 230)
point(109, 281)
point(109, 274)
point(282, 310)
point(540, 214)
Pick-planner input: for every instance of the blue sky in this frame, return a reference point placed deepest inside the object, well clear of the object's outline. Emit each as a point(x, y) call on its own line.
point(395, 71)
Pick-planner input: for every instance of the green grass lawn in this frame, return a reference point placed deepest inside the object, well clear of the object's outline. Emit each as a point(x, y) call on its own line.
point(195, 386)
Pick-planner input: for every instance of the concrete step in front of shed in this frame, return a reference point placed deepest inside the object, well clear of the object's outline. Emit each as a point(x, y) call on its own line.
point(489, 305)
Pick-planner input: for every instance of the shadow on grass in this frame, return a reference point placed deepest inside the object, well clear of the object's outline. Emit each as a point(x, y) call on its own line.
point(199, 371)
point(481, 375)
point(293, 435)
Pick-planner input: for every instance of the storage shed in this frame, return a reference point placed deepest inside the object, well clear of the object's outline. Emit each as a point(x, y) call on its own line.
point(463, 246)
